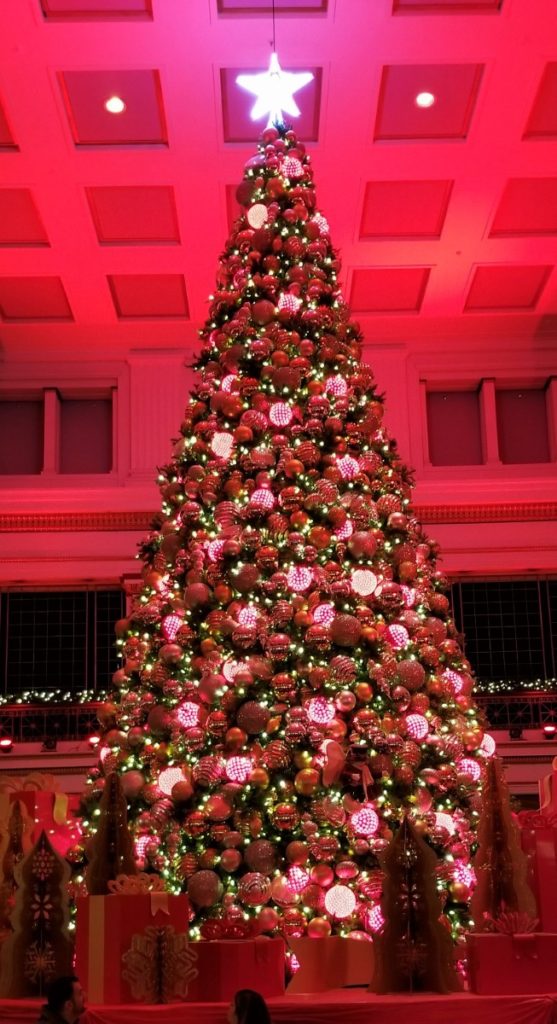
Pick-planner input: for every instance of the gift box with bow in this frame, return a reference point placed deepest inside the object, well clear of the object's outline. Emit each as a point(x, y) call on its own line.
point(44, 808)
point(132, 945)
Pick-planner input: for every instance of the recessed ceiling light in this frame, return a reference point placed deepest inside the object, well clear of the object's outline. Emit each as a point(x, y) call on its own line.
point(115, 105)
point(425, 99)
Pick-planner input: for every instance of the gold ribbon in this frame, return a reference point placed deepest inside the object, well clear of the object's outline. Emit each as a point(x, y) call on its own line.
point(60, 808)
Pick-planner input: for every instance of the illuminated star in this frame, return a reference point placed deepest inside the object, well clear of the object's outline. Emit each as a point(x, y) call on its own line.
point(275, 90)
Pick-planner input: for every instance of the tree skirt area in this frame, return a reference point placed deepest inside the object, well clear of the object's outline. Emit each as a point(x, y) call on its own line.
point(356, 1006)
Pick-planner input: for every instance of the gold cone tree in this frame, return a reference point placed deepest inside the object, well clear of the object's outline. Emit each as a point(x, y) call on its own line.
point(292, 683)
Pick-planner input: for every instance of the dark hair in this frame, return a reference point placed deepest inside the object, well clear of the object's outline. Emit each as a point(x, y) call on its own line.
point(59, 991)
point(250, 1007)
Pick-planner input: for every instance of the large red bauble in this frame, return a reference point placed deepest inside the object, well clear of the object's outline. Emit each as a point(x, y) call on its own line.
point(411, 674)
point(263, 311)
point(319, 928)
point(285, 816)
point(160, 721)
point(252, 717)
point(261, 855)
point(204, 888)
point(345, 630)
point(244, 193)
point(307, 781)
point(254, 889)
point(182, 792)
point(196, 595)
point(132, 783)
point(171, 654)
point(297, 852)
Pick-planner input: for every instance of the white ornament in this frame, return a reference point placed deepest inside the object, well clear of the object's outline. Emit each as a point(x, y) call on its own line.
point(257, 215)
point(275, 90)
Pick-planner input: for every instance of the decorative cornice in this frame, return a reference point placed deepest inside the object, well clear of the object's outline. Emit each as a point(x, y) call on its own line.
point(73, 522)
point(61, 522)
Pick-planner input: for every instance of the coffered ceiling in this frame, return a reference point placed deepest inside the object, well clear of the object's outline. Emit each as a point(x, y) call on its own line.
point(111, 224)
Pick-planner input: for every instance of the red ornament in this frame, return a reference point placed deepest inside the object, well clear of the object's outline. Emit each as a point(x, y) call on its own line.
point(346, 630)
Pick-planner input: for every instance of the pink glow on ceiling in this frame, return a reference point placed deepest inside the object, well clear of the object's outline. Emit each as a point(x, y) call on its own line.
point(111, 225)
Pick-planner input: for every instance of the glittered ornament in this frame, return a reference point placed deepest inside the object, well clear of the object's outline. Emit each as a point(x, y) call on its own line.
point(204, 888)
point(411, 674)
point(252, 717)
point(345, 630)
point(261, 856)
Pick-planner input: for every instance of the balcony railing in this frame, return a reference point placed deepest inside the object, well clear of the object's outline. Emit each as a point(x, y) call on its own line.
point(32, 723)
point(27, 723)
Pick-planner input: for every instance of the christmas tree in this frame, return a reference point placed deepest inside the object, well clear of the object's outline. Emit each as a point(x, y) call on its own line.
point(292, 684)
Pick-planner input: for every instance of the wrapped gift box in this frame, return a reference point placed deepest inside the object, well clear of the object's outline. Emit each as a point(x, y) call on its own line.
point(512, 964)
point(53, 813)
point(539, 843)
point(225, 965)
point(133, 948)
point(330, 963)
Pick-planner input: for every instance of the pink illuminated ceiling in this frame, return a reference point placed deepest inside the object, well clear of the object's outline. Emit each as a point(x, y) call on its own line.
point(110, 225)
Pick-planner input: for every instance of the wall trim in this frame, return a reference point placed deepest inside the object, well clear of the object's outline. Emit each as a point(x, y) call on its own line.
point(91, 522)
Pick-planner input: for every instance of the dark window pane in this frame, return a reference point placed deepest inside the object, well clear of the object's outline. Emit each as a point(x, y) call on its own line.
point(453, 426)
point(59, 640)
point(522, 426)
point(502, 624)
point(86, 435)
point(110, 606)
point(21, 436)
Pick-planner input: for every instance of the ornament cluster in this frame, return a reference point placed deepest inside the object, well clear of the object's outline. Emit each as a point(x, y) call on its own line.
point(292, 684)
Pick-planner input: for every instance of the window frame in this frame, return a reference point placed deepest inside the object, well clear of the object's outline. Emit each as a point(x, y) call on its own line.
point(53, 381)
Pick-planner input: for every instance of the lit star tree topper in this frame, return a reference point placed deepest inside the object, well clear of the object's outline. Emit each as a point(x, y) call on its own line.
point(275, 90)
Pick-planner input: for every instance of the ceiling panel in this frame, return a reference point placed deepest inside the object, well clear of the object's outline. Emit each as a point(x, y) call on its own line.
point(506, 288)
point(454, 88)
point(388, 289)
point(266, 6)
point(237, 104)
point(147, 197)
point(6, 138)
point(447, 6)
point(33, 298)
point(528, 207)
point(142, 122)
point(542, 122)
point(405, 209)
point(148, 295)
point(93, 9)
point(124, 214)
point(20, 223)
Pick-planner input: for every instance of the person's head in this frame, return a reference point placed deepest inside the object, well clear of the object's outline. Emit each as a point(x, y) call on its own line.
point(65, 997)
point(248, 1007)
